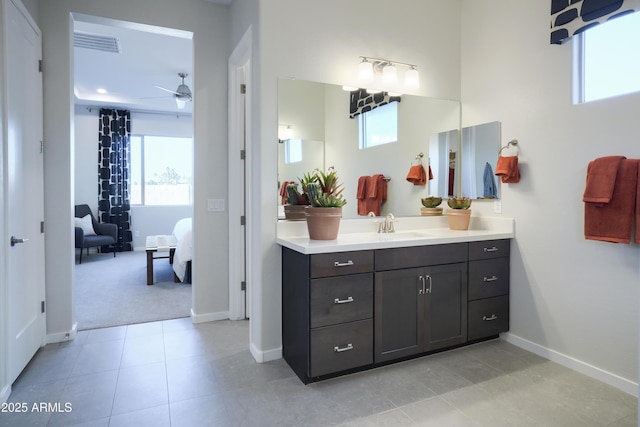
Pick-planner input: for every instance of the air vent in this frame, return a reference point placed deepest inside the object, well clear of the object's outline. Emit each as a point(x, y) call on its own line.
point(96, 42)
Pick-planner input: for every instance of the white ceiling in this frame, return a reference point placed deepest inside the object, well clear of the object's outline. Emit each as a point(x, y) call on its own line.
point(149, 56)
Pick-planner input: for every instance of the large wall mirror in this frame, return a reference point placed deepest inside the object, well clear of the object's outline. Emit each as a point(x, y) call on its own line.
point(479, 146)
point(321, 134)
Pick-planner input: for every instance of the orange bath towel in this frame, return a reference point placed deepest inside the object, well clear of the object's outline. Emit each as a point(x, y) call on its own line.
point(417, 175)
point(637, 239)
point(601, 179)
point(376, 194)
point(613, 221)
point(361, 195)
point(507, 169)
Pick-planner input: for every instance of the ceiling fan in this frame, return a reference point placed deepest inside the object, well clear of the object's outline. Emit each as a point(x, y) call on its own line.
point(182, 93)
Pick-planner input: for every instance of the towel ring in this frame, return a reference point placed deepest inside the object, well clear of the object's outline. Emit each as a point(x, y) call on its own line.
point(513, 142)
point(419, 157)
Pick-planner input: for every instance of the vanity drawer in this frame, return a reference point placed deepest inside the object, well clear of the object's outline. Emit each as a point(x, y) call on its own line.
point(488, 278)
point(489, 249)
point(488, 317)
point(339, 263)
point(340, 347)
point(341, 299)
point(420, 256)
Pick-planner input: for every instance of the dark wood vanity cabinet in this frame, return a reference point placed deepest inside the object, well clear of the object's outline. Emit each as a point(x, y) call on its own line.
point(488, 288)
point(349, 310)
point(423, 308)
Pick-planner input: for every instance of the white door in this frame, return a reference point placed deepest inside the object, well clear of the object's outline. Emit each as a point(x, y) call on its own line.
point(24, 189)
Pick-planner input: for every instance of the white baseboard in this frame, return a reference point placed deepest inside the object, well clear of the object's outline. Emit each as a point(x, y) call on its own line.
point(63, 336)
point(606, 377)
point(265, 356)
point(5, 393)
point(209, 317)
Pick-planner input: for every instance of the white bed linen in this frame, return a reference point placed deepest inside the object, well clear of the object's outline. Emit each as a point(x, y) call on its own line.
point(184, 248)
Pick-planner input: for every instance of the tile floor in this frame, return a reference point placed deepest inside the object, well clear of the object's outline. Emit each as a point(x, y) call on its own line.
point(174, 373)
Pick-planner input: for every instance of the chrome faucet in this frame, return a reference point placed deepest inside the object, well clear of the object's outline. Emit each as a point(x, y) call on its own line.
point(388, 224)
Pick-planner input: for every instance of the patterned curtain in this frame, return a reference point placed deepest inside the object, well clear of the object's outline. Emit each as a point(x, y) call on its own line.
point(570, 17)
point(361, 101)
point(114, 206)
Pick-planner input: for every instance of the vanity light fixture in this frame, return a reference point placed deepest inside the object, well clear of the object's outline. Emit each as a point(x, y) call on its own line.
point(369, 67)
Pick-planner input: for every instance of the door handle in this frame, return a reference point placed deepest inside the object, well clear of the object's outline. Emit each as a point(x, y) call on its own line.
point(14, 240)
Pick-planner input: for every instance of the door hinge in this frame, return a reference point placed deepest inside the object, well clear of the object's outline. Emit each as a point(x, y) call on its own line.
point(243, 154)
point(42, 306)
point(243, 88)
point(41, 226)
point(40, 66)
point(243, 220)
point(243, 286)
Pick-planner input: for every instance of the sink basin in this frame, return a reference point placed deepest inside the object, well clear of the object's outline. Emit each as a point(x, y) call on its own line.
point(402, 235)
point(385, 237)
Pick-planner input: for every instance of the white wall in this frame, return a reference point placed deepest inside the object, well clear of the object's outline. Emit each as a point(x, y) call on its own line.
point(571, 298)
point(209, 23)
point(322, 41)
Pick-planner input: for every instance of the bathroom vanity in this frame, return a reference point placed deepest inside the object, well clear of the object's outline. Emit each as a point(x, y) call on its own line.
point(368, 299)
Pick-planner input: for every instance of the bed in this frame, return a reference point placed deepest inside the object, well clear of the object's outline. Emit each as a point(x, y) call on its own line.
point(183, 255)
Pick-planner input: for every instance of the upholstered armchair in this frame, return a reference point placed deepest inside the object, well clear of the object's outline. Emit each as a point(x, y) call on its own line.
point(91, 233)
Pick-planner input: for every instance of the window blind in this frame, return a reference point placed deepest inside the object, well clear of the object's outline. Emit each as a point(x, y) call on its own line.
point(570, 17)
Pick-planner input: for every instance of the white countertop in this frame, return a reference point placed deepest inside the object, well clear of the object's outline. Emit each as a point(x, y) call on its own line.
point(360, 234)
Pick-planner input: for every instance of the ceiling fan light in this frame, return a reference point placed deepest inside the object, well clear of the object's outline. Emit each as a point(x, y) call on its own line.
point(181, 101)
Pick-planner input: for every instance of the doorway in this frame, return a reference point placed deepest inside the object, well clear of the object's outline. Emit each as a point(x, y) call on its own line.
point(120, 58)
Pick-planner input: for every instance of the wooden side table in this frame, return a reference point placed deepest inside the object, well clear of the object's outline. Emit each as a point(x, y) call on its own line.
point(160, 244)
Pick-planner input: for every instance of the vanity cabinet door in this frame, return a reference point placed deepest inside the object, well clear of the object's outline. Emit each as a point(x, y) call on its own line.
point(445, 312)
point(398, 314)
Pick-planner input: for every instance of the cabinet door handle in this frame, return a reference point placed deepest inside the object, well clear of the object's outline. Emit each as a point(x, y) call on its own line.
point(422, 285)
point(428, 291)
point(342, 264)
point(493, 249)
point(489, 319)
point(338, 349)
point(490, 279)
point(343, 301)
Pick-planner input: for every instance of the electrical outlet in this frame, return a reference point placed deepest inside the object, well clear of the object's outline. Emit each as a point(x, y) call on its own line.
point(497, 206)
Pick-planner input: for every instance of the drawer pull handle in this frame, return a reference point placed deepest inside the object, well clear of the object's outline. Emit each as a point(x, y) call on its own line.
point(490, 279)
point(342, 264)
point(493, 249)
point(338, 349)
point(488, 319)
point(343, 301)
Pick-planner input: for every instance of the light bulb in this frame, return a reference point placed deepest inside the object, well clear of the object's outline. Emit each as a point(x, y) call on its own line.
point(365, 72)
point(412, 79)
point(390, 74)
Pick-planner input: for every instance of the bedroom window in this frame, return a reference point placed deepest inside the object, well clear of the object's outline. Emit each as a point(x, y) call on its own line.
point(607, 59)
point(161, 170)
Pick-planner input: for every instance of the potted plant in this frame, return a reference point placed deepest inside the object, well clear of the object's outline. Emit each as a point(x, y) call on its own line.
point(459, 213)
point(430, 206)
point(325, 209)
point(297, 201)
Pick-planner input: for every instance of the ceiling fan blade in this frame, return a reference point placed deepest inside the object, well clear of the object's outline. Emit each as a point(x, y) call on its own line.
point(167, 90)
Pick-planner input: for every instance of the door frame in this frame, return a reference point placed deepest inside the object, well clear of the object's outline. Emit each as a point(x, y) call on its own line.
point(240, 199)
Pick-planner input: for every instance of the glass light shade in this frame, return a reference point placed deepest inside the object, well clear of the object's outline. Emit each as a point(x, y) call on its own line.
point(390, 74)
point(181, 102)
point(412, 79)
point(365, 72)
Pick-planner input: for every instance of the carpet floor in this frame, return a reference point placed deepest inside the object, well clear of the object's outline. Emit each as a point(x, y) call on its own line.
point(113, 291)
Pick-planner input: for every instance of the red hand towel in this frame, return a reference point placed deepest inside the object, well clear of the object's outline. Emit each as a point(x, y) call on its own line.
point(637, 239)
point(507, 169)
point(377, 197)
point(417, 175)
point(601, 179)
point(613, 221)
point(361, 195)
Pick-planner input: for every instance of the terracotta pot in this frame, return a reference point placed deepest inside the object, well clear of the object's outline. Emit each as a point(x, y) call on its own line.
point(323, 223)
point(294, 212)
point(459, 219)
point(431, 211)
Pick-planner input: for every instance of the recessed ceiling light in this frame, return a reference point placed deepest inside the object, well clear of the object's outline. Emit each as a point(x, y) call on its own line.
point(101, 90)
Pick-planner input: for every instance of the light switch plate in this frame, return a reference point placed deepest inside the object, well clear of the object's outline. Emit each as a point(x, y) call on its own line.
point(215, 205)
point(497, 206)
